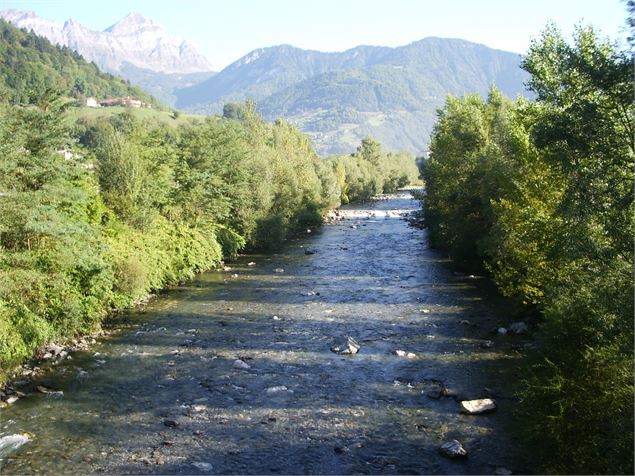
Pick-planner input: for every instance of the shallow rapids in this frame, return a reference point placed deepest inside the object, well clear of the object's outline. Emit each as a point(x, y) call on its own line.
point(165, 393)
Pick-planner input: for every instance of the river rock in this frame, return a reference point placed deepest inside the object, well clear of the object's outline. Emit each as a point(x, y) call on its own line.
point(453, 449)
point(205, 467)
point(502, 331)
point(350, 348)
point(241, 364)
point(54, 349)
point(503, 471)
point(278, 270)
point(251, 263)
point(10, 443)
point(403, 353)
point(518, 328)
point(170, 423)
point(11, 399)
point(276, 389)
point(476, 407)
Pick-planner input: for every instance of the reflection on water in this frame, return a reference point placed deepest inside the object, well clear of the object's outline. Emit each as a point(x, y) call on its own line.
point(164, 394)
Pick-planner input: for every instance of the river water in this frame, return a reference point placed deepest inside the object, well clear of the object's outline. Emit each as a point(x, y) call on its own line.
point(163, 393)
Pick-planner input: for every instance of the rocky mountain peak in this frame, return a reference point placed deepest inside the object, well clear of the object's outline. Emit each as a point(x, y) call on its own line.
point(134, 40)
point(132, 23)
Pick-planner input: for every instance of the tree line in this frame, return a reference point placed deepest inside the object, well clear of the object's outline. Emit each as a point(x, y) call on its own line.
point(540, 196)
point(137, 206)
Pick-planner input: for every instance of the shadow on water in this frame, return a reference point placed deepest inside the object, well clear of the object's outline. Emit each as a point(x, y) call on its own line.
point(162, 394)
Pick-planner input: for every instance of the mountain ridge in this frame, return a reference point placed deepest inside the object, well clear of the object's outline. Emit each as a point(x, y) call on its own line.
point(338, 98)
point(134, 39)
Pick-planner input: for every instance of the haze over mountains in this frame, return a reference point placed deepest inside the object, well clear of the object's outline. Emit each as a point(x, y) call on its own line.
point(391, 94)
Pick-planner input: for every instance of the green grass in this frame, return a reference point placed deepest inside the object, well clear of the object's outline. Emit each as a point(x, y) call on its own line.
point(155, 115)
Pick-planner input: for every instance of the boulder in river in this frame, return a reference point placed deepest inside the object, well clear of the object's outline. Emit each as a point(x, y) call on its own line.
point(241, 364)
point(486, 344)
point(403, 353)
point(10, 443)
point(503, 471)
point(276, 389)
point(476, 407)
point(518, 328)
point(204, 467)
point(453, 449)
point(350, 348)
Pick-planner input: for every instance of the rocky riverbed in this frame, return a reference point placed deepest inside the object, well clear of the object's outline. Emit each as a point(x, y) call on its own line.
point(354, 350)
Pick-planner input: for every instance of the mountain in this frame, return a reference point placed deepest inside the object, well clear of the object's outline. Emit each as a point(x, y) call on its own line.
point(134, 40)
point(137, 48)
point(31, 67)
point(391, 94)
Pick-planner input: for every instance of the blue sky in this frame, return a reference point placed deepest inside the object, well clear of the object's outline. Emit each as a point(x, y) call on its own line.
point(226, 30)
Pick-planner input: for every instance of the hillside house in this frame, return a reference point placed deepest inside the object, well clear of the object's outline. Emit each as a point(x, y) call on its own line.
point(91, 102)
point(127, 101)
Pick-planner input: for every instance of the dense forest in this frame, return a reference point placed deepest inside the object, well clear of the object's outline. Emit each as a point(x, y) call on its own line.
point(540, 195)
point(32, 67)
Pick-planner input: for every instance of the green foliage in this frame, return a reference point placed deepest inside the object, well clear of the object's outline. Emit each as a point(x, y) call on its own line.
point(370, 171)
point(541, 195)
point(32, 67)
point(94, 216)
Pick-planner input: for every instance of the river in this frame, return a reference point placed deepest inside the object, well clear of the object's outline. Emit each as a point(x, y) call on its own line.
point(164, 393)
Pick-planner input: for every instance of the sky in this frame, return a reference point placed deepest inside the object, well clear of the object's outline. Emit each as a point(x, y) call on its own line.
point(225, 30)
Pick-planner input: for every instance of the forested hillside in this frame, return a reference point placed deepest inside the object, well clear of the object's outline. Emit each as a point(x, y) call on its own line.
point(540, 195)
point(31, 68)
point(339, 98)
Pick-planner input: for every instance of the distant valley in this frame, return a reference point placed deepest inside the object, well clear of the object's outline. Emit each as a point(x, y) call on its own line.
point(391, 94)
